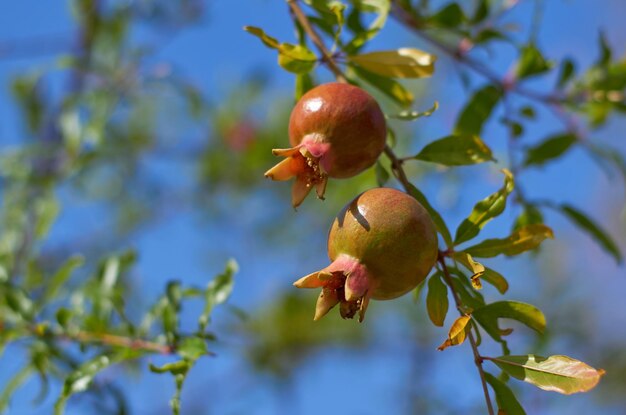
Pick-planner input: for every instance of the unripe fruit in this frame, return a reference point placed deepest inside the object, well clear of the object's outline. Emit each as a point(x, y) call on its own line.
point(336, 130)
point(382, 245)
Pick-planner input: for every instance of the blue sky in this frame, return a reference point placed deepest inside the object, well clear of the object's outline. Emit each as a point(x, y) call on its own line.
point(216, 55)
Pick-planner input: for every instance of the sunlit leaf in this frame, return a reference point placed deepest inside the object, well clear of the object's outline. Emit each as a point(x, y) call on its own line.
point(294, 58)
point(437, 300)
point(456, 150)
point(400, 63)
point(506, 400)
point(410, 115)
point(556, 373)
point(529, 216)
point(457, 333)
point(526, 314)
point(60, 277)
point(477, 268)
point(477, 111)
point(496, 279)
point(595, 231)
point(522, 240)
point(484, 211)
point(549, 149)
point(387, 86)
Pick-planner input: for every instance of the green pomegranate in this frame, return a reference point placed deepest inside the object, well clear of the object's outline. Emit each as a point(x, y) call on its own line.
point(382, 245)
point(336, 130)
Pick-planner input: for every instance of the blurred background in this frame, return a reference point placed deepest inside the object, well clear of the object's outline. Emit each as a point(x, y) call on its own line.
point(183, 109)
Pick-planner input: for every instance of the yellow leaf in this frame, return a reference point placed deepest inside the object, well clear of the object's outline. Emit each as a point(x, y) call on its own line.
point(457, 333)
point(401, 63)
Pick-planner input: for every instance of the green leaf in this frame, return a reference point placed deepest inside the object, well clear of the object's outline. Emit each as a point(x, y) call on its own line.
point(434, 215)
point(80, 379)
point(192, 348)
point(556, 373)
point(528, 112)
point(437, 300)
point(387, 86)
point(526, 314)
point(304, 82)
point(456, 150)
point(175, 368)
point(592, 228)
point(269, 41)
point(478, 110)
point(382, 175)
point(532, 62)
point(549, 149)
point(13, 384)
point(457, 333)
point(485, 210)
point(605, 51)
point(400, 63)
point(47, 209)
point(506, 400)
point(567, 70)
point(294, 58)
point(529, 216)
point(476, 268)
point(522, 240)
point(60, 277)
point(381, 8)
point(218, 291)
point(410, 115)
point(449, 16)
point(496, 279)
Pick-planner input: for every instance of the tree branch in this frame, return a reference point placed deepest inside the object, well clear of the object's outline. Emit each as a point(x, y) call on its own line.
point(317, 41)
point(478, 359)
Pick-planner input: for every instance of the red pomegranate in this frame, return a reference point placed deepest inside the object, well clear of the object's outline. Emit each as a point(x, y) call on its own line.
point(336, 130)
point(382, 245)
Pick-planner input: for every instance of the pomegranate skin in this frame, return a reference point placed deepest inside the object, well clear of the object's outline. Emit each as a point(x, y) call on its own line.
point(336, 130)
point(346, 118)
point(381, 245)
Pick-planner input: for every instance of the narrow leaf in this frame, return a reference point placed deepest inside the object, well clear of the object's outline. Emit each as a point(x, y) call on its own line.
point(457, 333)
point(401, 63)
point(410, 115)
point(549, 149)
point(566, 72)
point(387, 86)
point(478, 110)
point(522, 240)
point(506, 400)
point(434, 215)
point(60, 277)
point(218, 291)
point(496, 279)
point(556, 373)
point(269, 41)
point(437, 300)
point(592, 228)
point(526, 314)
point(485, 210)
point(456, 150)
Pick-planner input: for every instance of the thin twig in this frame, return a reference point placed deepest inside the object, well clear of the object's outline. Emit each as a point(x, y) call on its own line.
point(317, 41)
point(106, 339)
point(478, 359)
point(506, 84)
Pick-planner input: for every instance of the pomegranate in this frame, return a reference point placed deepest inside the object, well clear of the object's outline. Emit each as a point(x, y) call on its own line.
point(382, 245)
point(336, 130)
